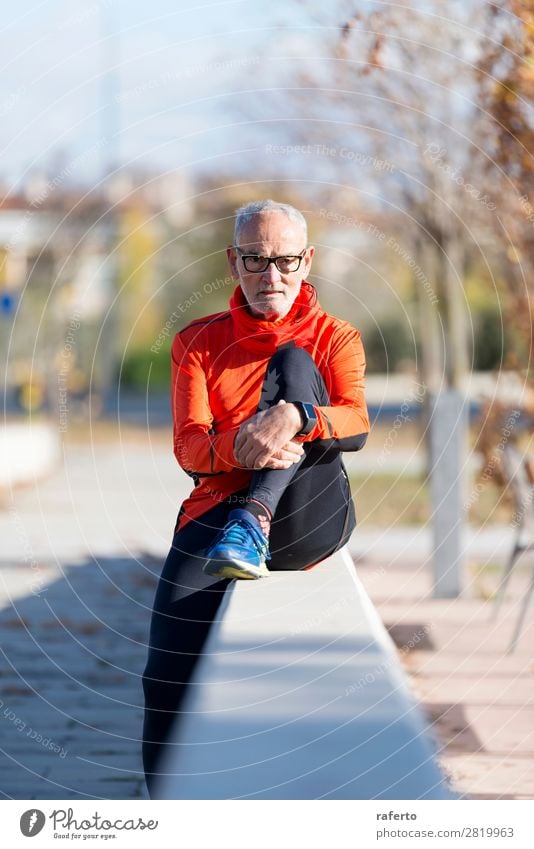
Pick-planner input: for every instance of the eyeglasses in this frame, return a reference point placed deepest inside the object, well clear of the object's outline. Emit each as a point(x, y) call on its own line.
point(255, 264)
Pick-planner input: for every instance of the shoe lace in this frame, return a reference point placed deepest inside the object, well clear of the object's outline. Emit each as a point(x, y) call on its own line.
point(239, 532)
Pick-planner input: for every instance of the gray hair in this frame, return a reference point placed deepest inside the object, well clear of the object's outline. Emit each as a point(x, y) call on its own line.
point(246, 213)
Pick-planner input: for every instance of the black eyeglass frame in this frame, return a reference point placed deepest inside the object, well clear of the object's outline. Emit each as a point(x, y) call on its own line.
point(270, 259)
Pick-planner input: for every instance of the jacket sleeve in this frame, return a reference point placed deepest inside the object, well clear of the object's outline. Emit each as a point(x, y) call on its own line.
point(346, 420)
point(198, 450)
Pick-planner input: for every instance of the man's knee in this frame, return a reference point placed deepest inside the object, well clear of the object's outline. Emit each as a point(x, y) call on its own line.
point(296, 376)
point(293, 359)
point(295, 370)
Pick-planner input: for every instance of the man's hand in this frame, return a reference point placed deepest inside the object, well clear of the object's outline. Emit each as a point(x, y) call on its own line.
point(265, 441)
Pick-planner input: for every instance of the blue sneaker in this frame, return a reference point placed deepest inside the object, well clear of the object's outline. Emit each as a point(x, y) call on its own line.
point(240, 549)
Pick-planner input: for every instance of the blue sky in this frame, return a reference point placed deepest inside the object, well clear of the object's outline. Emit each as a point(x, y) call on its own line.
point(179, 68)
point(183, 86)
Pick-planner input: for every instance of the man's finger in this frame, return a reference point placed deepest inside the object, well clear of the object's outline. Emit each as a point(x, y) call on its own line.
point(272, 463)
point(297, 447)
point(294, 456)
point(254, 457)
point(248, 458)
point(239, 440)
point(289, 450)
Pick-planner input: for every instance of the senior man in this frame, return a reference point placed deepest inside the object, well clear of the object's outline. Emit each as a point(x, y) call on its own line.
point(265, 397)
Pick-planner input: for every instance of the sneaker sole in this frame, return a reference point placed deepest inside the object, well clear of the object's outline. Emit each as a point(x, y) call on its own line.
point(234, 569)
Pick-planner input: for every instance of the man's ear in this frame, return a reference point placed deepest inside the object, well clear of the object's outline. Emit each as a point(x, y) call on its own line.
point(308, 260)
point(231, 253)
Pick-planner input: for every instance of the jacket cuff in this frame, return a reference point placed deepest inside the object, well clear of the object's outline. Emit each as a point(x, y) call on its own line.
point(223, 449)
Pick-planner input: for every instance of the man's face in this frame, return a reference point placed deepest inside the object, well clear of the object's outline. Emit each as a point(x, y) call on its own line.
point(271, 293)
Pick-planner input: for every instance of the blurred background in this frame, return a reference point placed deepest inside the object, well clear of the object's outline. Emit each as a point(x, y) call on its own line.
point(130, 135)
point(131, 132)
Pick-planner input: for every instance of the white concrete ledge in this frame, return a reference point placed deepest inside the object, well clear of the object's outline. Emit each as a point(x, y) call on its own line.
point(300, 695)
point(27, 451)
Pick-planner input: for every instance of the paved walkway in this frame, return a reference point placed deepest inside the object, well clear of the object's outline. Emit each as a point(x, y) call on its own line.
point(81, 553)
point(479, 699)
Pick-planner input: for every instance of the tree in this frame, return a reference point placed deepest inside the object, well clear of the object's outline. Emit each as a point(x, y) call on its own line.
point(509, 100)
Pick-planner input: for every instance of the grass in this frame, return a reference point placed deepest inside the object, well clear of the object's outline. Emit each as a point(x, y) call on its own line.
point(386, 500)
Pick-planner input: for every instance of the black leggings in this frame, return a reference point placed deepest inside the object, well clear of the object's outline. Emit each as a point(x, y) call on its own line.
point(313, 516)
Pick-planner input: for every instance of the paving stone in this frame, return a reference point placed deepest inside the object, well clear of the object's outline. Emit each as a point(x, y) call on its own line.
point(480, 699)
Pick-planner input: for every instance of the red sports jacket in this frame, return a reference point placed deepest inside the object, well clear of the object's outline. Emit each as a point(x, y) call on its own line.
point(218, 368)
